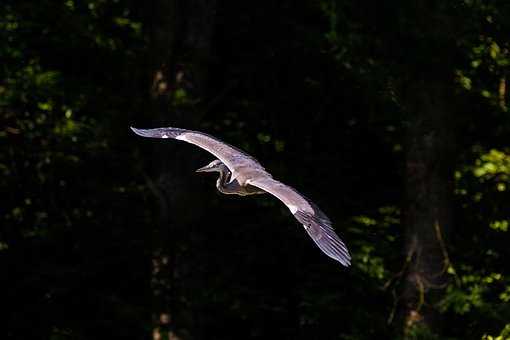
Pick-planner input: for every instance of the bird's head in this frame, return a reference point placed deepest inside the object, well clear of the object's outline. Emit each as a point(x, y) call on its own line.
point(215, 165)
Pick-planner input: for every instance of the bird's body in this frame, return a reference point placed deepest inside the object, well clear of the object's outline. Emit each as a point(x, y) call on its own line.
point(228, 187)
point(241, 174)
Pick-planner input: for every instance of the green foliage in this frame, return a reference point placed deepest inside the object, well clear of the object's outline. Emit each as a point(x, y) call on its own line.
point(473, 291)
point(504, 335)
point(421, 332)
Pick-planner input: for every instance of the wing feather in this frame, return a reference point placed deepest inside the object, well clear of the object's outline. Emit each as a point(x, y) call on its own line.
point(316, 223)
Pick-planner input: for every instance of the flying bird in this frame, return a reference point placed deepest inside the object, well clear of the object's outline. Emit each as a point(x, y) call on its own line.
point(241, 174)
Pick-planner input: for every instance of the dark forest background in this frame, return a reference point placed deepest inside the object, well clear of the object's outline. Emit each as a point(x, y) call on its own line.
point(392, 115)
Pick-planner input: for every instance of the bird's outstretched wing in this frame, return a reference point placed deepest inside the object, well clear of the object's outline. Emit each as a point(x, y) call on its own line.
point(231, 156)
point(315, 222)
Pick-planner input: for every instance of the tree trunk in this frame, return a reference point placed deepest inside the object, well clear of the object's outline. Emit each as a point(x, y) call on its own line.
point(180, 47)
point(428, 209)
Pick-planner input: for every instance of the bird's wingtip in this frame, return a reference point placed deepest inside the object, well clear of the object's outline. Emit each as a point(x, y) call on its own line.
point(139, 132)
point(343, 257)
point(319, 228)
point(346, 262)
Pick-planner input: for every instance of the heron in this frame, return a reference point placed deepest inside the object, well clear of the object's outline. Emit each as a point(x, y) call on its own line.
point(241, 174)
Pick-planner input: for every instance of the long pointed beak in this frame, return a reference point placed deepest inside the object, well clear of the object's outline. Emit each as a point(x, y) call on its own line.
point(203, 169)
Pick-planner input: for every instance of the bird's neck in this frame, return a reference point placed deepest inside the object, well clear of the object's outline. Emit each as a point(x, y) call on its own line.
point(223, 179)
